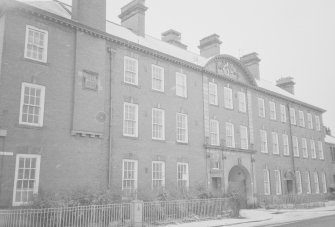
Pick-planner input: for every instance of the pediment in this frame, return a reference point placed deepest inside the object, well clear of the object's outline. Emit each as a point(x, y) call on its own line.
point(229, 67)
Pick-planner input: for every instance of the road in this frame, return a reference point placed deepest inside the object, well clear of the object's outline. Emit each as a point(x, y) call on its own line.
point(327, 221)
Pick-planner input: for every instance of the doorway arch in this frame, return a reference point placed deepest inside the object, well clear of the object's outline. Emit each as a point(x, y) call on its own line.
point(239, 182)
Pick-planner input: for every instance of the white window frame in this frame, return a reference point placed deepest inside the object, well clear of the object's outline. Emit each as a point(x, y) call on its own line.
point(244, 137)
point(292, 116)
point(125, 133)
point(213, 93)
point(313, 149)
point(181, 88)
point(273, 113)
point(301, 118)
point(264, 141)
point(286, 147)
point(317, 123)
point(304, 147)
point(158, 125)
point(45, 42)
point(127, 190)
point(184, 118)
point(310, 120)
point(157, 77)
point(185, 177)
point(275, 143)
point(135, 79)
point(295, 146)
point(266, 180)
point(41, 106)
point(308, 183)
point(230, 135)
point(242, 103)
point(316, 182)
point(278, 182)
point(155, 179)
point(283, 113)
point(320, 149)
point(298, 181)
point(324, 182)
point(214, 131)
point(261, 108)
point(228, 97)
point(16, 177)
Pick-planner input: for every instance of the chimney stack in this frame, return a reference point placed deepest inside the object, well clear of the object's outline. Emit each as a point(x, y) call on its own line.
point(287, 84)
point(210, 46)
point(90, 13)
point(133, 16)
point(251, 61)
point(173, 37)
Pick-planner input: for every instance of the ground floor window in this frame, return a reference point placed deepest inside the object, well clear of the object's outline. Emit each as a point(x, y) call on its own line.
point(129, 176)
point(158, 175)
point(308, 183)
point(266, 176)
point(27, 171)
point(182, 175)
point(316, 183)
point(324, 183)
point(298, 182)
point(278, 182)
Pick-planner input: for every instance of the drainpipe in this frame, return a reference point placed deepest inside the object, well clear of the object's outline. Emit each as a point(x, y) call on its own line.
point(291, 147)
point(110, 143)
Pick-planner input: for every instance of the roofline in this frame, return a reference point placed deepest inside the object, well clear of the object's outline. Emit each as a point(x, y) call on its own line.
point(109, 37)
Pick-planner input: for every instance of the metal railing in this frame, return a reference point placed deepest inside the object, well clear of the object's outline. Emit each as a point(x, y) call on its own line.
point(81, 216)
point(163, 212)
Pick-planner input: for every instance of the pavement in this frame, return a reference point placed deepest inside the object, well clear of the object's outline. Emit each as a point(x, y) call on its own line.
point(266, 217)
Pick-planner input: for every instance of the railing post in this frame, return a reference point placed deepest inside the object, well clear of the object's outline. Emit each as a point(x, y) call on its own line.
point(136, 213)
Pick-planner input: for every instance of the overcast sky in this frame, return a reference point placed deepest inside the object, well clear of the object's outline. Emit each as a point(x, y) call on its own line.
point(292, 37)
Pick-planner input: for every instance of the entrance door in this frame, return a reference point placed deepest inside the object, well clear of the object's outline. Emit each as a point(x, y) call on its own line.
point(239, 184)
point(239, 188)
point(289, 185)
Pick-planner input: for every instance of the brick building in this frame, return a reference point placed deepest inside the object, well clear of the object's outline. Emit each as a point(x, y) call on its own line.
point(90, 103)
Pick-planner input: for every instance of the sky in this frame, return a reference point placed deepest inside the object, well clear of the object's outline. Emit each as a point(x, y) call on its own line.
point(292, 37)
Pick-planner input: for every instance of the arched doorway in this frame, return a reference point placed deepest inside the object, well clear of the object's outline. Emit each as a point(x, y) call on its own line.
point(239, 182)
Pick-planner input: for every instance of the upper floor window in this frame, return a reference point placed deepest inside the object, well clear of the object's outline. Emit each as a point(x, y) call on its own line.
point(320, 148)
point(32, 104)
point(130, 119)
point(310, 121)
point(286, 148)
point(228, 97)
point(313, 152)
point(182, 175)
point(158, 124)
point(295, 146)
point(129, 176)
point(317, 123)
point(90, 80)
point(130, 70)
point(273, 114)
point(158, 175)
point(214, 132)
point(27, 172)
point(181, 85)
point(36, 44)
point(301, 118)
point(242, 104)
point(292, 116)
point(304, 147)
point(275, 144)
point(213, 93)
point(244, 137)
point(261, 107)
point(182, 128)
point(282, 113)
point(230, 138)
point(157, 78)
point(264, 141)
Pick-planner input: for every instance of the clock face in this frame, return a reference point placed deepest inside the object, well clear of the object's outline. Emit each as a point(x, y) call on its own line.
point(227, 69)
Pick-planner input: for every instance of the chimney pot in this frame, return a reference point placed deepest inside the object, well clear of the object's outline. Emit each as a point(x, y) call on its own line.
point(251, 61)
point(173, 37)
point(287, 84)
point(133, 16)
point(210, 46)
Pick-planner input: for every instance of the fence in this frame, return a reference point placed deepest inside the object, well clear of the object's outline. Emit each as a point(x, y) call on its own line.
point(126, 214)
point(290, 200)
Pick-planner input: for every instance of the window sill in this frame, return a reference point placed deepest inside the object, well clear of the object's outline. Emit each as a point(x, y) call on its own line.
point(131, 85)
point(181, 143)
point(130, 137)
point(159, 140)
point(182, 97)
point(157, 91)
point(20, 125)
point(36, 61)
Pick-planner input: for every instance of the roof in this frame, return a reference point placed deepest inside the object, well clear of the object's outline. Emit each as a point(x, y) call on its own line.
point(64, 10)
point(330, 139)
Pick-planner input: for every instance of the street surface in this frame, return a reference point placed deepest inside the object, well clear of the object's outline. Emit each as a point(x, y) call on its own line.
point(327, 221)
